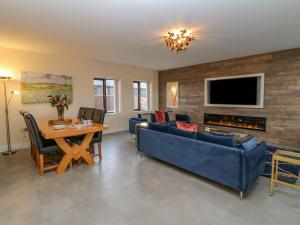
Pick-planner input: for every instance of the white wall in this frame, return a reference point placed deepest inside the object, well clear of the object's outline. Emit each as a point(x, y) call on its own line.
point(83, 71)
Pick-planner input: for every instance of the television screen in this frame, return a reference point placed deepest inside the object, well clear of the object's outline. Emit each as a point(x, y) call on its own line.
point(237, 91)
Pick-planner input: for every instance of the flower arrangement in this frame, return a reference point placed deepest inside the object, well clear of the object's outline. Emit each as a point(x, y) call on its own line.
point(60, 102)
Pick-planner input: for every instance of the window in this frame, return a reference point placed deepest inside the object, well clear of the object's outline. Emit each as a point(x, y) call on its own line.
point(105, 94)
point(140, 93)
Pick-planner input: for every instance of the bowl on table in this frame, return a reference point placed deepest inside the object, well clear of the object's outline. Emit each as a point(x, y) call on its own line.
point(59, 126)
point(79, 125)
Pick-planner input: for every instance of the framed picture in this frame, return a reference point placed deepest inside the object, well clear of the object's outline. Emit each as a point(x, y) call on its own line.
point(36, 87)
point(172, 94)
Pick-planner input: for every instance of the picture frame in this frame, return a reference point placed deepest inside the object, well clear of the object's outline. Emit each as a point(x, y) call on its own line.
point(173, 94)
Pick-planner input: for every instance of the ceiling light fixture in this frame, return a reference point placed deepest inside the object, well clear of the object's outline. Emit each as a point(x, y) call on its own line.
point(179, 40)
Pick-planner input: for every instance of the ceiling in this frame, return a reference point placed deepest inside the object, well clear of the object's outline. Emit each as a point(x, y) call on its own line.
point(131, 32)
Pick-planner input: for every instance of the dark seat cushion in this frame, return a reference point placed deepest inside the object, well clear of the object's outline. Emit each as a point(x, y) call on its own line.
point(216, 139)
point(78, 139)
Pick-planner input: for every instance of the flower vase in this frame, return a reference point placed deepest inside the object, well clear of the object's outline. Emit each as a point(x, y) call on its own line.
point(60, 113)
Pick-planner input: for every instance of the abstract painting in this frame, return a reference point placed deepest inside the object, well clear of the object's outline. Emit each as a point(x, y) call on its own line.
point(172, 94)
point(35, 87)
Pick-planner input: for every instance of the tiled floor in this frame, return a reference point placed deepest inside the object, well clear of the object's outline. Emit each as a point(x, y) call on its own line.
point(126, 188)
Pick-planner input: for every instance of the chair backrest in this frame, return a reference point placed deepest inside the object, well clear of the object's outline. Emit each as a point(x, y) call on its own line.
point(81, 112)
point(23, 113)
point(99, 115)
point(89, 113)
point(37, 138)
point(85, 113)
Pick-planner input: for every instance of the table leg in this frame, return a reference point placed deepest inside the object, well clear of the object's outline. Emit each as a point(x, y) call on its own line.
point(85, 145)
point(65, 161)
point(276, 172)
point(75, 151)
point(272, 177)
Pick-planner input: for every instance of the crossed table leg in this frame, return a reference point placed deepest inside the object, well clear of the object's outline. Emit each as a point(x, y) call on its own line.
point(74, 152)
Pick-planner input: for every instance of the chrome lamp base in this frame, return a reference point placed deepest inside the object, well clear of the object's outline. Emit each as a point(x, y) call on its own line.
point(9, 153)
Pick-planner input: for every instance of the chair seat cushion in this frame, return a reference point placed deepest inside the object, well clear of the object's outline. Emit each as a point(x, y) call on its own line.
point(78, 139)
point(50, 149)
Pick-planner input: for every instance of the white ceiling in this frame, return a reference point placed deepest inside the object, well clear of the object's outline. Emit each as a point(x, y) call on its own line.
point(131, 32)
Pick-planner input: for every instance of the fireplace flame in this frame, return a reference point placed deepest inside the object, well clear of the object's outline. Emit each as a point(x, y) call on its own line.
point(234, 124)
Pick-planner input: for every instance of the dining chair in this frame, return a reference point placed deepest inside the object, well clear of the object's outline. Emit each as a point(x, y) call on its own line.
point(98, 117)
point(32, 149)
point(43, 147)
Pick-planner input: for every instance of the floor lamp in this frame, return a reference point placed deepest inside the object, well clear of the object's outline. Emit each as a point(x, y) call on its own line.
point(5, 77)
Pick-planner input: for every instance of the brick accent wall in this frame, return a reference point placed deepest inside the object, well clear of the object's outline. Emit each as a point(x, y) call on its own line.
point(281, 100)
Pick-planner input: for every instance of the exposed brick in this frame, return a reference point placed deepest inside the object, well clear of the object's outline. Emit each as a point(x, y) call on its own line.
point(282, 92)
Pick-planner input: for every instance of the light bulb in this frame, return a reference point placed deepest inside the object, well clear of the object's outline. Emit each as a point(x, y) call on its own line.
point(15, 92)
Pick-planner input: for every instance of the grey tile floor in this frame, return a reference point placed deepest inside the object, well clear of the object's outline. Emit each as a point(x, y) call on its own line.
point(126, 188)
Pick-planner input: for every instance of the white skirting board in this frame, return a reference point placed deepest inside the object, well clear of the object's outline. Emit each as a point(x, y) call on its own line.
point(15, 147)
point(26, 145)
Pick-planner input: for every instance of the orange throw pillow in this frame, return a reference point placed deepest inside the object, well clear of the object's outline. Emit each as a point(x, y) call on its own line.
point(160, 116)
point(187, 126)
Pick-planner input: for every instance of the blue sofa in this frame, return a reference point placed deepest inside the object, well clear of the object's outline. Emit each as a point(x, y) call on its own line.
point(230, 166)
point(133, 121)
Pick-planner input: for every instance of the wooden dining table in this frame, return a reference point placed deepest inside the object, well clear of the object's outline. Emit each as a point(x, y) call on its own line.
point(71, 151)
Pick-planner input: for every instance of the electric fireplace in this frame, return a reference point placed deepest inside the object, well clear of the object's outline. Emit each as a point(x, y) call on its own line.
point(242, 122)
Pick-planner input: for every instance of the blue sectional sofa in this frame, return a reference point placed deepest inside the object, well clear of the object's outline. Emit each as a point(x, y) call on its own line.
point(133, 121)
point(231, 166)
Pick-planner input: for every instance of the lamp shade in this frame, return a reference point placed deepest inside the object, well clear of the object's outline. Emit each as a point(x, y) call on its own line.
point(5, 74)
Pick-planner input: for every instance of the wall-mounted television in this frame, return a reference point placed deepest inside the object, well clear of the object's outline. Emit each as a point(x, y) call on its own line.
point(235, 91)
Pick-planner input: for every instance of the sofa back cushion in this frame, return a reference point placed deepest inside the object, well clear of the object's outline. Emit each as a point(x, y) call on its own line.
point(249, 145)
point(170, 116)
point(182, 133)
point(187, 126)
point(183, 118)
point(158, 127)
point(160, 116)
point(216, 139)
point(147, 117)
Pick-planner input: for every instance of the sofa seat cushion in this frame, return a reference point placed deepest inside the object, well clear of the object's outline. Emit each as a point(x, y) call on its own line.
point(216, 139)
point(187, 126)
point(160, 116)
point(159, 127)
point(182, 133)
point(249, 145)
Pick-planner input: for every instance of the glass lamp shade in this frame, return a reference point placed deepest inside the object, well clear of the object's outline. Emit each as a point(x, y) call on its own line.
point(5, 75)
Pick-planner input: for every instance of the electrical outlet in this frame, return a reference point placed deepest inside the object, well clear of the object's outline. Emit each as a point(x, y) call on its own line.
point(24, 130)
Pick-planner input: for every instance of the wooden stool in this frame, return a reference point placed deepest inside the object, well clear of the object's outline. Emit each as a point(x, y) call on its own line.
point(283, 156)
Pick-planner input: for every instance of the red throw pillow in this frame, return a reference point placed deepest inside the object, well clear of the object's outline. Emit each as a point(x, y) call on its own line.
point(160, 116)
point(187, 126)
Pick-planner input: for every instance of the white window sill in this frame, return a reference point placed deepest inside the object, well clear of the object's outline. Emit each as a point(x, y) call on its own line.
point(140, 111)
point(113, 114)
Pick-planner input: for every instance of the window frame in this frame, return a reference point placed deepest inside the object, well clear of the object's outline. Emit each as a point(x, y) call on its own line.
point(139, 95)
point(105, 94)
